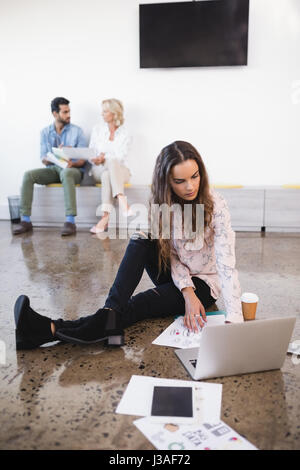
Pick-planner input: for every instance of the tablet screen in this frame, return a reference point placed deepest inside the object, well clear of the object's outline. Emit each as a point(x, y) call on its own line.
point(172, 401)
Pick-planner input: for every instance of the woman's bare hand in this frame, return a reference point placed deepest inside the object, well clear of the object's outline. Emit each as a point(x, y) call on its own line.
point(194, 310)
point(98, 160)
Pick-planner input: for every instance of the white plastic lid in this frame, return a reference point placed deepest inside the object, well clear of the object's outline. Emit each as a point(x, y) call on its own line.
point(249, 298)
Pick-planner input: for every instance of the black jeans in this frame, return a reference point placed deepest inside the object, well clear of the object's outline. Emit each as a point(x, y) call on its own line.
point(163, 300)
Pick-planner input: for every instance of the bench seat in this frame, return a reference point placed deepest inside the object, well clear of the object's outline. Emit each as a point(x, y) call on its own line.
point(252, 208)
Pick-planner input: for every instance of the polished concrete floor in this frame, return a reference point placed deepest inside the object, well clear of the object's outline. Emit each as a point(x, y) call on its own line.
point(64, 396)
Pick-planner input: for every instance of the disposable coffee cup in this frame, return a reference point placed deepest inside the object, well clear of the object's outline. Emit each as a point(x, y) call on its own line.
point(249, 305)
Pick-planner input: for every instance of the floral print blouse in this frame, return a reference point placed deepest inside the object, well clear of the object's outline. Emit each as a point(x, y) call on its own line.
point(212, 261)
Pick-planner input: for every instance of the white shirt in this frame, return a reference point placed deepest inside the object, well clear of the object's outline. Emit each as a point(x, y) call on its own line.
point(117, 148)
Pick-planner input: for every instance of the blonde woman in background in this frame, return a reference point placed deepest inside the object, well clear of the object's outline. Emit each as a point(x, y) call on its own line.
point(110, 168)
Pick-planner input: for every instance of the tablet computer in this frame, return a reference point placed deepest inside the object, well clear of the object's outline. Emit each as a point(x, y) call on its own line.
point(173, 405)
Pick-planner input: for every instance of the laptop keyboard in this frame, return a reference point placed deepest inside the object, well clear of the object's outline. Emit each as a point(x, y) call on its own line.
point(193, 362)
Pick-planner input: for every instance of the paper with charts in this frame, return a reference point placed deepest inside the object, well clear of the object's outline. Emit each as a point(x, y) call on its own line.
point(206, 436)
point(137, 398)
point(179, 336)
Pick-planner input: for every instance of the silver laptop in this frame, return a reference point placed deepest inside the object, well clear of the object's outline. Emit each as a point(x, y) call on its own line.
point(239, 348)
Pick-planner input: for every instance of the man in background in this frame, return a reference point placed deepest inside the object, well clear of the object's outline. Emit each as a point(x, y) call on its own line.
point(59, 134)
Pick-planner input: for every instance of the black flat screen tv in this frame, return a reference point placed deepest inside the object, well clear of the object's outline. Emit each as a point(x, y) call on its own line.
point(194, 34)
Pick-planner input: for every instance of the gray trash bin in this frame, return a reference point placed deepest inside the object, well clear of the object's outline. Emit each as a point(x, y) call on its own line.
point(14, 208)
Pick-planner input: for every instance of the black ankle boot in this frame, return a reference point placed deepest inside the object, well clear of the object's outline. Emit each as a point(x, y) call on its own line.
point(105, 324)
point(32, 329)
point(66, 324)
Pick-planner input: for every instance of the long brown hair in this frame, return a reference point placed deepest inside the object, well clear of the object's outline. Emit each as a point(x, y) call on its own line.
point(162, 192)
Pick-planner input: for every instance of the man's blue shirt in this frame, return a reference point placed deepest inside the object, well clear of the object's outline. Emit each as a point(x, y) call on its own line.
point(71, 135)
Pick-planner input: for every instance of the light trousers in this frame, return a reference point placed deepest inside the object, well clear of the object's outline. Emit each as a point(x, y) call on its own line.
point(112, 175)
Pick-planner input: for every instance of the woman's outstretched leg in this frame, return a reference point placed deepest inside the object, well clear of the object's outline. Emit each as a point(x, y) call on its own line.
point(162, 301)
point(33, 329)
point(120, 310)
point(140, 253)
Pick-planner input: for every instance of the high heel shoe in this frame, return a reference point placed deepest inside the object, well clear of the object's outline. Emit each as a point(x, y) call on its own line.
point(95, 229)
point(104, 228)
point(105, 324)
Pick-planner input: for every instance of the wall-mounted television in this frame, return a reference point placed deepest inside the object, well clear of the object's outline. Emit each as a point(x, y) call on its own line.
point(194, 34)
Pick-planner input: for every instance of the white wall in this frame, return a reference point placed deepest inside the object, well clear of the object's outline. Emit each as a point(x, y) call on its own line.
point(245, 121)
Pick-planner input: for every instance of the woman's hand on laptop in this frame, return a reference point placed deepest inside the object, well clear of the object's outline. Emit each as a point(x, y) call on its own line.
point(194, 310)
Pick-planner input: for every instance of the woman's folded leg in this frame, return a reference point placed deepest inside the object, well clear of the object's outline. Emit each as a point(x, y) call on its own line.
point(139, 253)
point(164, 300)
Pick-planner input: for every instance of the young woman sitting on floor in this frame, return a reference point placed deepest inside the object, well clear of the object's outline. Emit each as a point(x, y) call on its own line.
point(189, 274)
